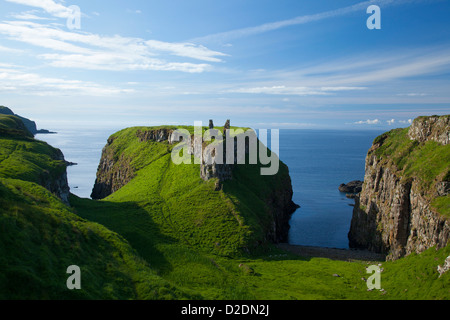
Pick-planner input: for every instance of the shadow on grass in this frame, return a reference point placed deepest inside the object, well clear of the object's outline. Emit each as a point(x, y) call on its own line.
point(130, 221)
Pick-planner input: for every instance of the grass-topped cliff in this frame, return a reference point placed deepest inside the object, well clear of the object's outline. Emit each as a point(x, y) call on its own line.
point(249, 210)
point(165, 233)
point(405, 203)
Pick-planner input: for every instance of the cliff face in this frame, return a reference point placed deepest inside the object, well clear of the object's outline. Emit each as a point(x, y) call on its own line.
point(57, 183)
point(406, 171)
point(282, 207)
point(112, 173)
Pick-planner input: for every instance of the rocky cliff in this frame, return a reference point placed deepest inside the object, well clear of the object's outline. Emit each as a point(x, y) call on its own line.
point(57, 182)
point(123, 161)
point(403, 206)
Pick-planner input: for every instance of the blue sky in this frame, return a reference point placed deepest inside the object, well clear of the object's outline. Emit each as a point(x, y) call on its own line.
point(264, 64)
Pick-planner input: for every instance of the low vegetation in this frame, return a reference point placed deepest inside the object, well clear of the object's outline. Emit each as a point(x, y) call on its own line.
point(169, 235)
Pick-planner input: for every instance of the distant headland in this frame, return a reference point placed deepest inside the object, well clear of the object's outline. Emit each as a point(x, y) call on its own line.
point(29, 124)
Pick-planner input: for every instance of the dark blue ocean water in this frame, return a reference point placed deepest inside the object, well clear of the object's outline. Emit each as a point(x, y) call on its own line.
point(319, 161)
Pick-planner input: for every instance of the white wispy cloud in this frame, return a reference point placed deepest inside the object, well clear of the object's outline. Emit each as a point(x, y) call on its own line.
point(358, 78)
point(371, 122)
point(34, 84)
point(95, 52)
point(299, 91)
point(414, 94)
point(255, 30)
point(28, 15)
point(56, 9)
point(9, 50)
point(391, 122)
point(361, 69)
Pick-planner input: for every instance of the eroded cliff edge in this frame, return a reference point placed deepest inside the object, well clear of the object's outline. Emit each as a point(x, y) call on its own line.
point(404, 204)
point(123, 160)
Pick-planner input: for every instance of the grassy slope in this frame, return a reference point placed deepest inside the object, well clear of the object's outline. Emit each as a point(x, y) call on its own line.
point(11, 125)
point(40, 237)
point(28, 159)
point(190, 235)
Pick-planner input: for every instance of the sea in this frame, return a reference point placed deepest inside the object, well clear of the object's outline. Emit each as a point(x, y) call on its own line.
point(318, 160)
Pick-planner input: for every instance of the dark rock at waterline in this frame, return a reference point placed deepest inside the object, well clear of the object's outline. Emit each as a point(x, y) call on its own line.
point(351, 187)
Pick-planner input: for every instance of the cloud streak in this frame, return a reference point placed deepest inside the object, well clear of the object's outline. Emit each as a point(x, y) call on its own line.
point(56, 9)
point(272, 26)
point(297, 91)
point(34, 84)
point(94, 52)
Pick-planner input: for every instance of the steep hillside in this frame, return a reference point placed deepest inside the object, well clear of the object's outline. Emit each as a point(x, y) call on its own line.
point(40, 236)
point(404, 206)
point(246, 211)
point(24, 158)
point(11, 125)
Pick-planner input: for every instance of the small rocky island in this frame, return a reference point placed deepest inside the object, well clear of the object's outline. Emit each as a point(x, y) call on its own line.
point(352, 187)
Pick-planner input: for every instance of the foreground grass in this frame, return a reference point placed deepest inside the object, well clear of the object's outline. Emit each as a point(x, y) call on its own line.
point(270, 275)
point(40, 238)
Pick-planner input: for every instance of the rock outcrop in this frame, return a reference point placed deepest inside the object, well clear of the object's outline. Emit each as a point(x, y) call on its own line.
point(393, 214)
point(433, 128)
point(351, 187)
point(282, 207)
point(58, 184)
point(114, 172)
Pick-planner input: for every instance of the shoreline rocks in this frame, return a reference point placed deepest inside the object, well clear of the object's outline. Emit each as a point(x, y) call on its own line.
point(352, 187)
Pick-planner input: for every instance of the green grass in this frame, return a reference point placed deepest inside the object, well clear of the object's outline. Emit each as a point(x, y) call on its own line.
point(40, 237)
point(442, 205)
point(168, 235)
point(11, 126)
point(29, 160)
point(187, 207)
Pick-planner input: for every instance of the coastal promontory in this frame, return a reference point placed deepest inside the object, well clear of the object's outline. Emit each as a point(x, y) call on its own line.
point(404, 205)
